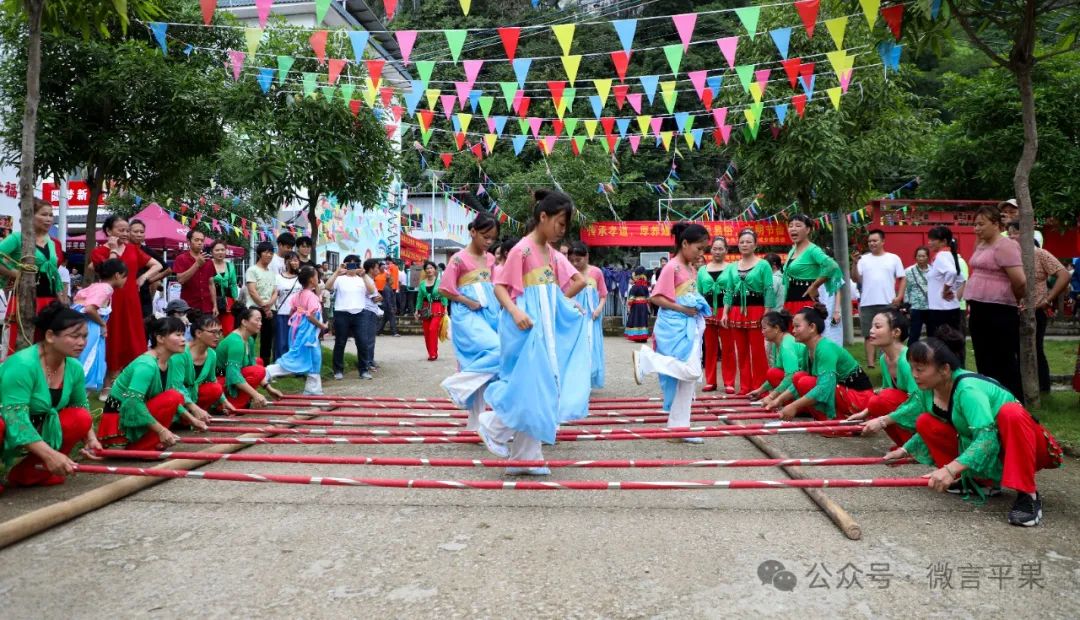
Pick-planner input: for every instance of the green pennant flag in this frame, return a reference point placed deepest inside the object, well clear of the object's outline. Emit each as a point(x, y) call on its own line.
point(455, 40)
point(321, 6)
point(749, 15)
point(508, 91)
point(424, 69)
point(328, 92)
point(669, 95)
point(284, 63)
point(485, 104)
point(523, 125)
point(603, 143)
point(580, 142)
point(309, 83)
point(674, 55)
point(571, 126)
point(746, 74)
point(425, 136)
point(568, 98)
point(347, 91)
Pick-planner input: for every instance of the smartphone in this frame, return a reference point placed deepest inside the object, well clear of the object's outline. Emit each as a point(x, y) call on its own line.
point(352, 266)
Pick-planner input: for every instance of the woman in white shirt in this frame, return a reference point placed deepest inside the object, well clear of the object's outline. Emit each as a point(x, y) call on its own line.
point(287, 285)
point(350, 295)
point(372, 314)
point(942, 282)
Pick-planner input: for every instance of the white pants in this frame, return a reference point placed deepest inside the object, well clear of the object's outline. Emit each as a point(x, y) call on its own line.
point(523, 447)
point(312, 382)
point(475, 409)
point(687, 373)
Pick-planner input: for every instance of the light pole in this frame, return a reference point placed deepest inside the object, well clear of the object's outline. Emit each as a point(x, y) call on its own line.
point(435, 175)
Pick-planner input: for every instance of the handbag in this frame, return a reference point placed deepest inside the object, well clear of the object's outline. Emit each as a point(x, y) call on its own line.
point(425, 311)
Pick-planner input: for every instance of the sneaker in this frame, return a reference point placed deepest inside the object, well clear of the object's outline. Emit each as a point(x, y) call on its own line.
point(366, 375)
point(500, 450)
point(397, 335)
point(528, 471)
point(1025, 510)
point(957, 488)
point(338, 376)
point(638, 377)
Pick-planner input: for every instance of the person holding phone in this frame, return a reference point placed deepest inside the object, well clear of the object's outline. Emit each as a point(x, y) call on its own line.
point(195, 271)
point(350, 292)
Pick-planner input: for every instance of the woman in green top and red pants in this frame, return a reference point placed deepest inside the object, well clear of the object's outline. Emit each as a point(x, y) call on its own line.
point(43, 401)
point(717, 337)
point(430, 308)
point(807, 268)
point(47, 258)
point(748, 292)
point(974, 431)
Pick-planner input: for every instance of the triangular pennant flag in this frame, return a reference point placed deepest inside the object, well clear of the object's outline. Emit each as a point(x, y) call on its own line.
point(370, 92)
point(635, 141)
point(745, 72)
point(455, 40)
point(608, 123)
point(836, 28)
point(870, 10)
point(309, 83)
point(447, 159)
point(681, 119)
point(665, 138)
point(674, 55)
point(523, 106)
point(808, 86)
point(755, 91)
point(485, 103)
point(386, 93)
point(570, 65)
point(655, 124)
point(425, 136)
point(845, 80)
point(893, 16)
point(689, 137)
point(579, 142)
point(321, 6)
point(643, 124)
point(597, 105)
point(620, 94)
point(328, 91)
point(424, 117)
point(565, 35)
point(519, 143)
point(590, 127)
point(791, 68)
point(459, 139)
point(635, 101)
point(509, 90)
point(424, 69)
point(391, 8)
point(521, 70)
point(603, 88)
point(523, 125)
point(808, 11)
point(834, 96)
point(571, 126)
point(462, 90)
point(697, 78)
point(464, 120)
point(782, 38)
point(465, 5)
point(318, 44)
point(761, 77)
point(510, 37)
point(406, 39)
point(669, 95)
point(266, 78)
point(262, 9)
point(720, 116)
point(775, 129)
point(781, 112)
point(625, 28)
point(648, 84)
point(549, 144)
point(447, 105)
point(336, 65)
point(472, 70)
point(359, 41)
point(799, 101)
point(375, 69)
point(158, 30)
point(621, 60)
point(284, 63)
point(556, 87)
point(236, 61)
point(725, 133)
point(840, 61)
point(728, 45)
point(749, 15)
point(714, 82)
point(207, 7)
point(684, 25)
point(568, 98)
point(489, 142)
point(433, 95)
point(500, 124)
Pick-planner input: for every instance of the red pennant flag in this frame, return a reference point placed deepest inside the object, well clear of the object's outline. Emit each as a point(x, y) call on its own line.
point(446, 159)
point(387, 93)
point(509, 38)
point(620, 59)
point(799, 101)
point(806, 71)
point(557, 126)
point(608, 123)
point(808, 10)
point(374, 69)
point(426, 116)
point(574, 148)
point(318, 44)
point(336, 65)
point(390, 129)
point(397, 111)
point(775, 131)
point(478, 151)
point(791, 68)
point(391, 8)
point(523, 107)
point(620, 91)
point(208, 7)
point(556, 87)
point(706, 98)
point(611, 141)
point(459, 137)
point(893, 16)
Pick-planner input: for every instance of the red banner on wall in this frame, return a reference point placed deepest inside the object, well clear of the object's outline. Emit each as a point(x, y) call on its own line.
point(414, 250)
point(78, 194)
point(658, 234)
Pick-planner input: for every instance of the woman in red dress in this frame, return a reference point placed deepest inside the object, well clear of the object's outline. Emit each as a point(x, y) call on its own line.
point(127, 338)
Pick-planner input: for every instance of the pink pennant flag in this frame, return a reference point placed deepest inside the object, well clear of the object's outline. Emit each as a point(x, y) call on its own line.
point(725, 133)
point(236, 61)
point(697, 78)
point(635, 141)
point(684, 24)
point(447, 105)
point(534, 126)
point(462, 93)
point(490, 124)
point(518, 95)
point(720, 116)
point(761, 76)
point(405, 38)
point(386, 93)
point(472, 69)
point(549, 142)
point(635, 101)
point(727, 47)
point(262, 7)
point(336, 65)
point(845, 80)
point(656, 123)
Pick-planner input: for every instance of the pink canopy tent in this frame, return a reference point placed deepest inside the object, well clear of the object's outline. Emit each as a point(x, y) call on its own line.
point(162, 233)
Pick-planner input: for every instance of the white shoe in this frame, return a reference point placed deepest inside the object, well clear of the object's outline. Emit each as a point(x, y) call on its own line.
point(366, 375)
point(500, 450)
point(338, 376)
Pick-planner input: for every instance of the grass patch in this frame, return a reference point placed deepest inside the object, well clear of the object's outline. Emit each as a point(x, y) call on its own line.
point(295, 385)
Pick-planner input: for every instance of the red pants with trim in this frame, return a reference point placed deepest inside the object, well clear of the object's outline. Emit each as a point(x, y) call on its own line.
point(210, 394)
point(885, 402)
point(227, 320)
point(719, 339)
point(799, 304)
point(1026, 447)
point(431, 329)
point(848, 401)
point(74, 423)
point(254, 375)
point(749, 346)
point(162, 407)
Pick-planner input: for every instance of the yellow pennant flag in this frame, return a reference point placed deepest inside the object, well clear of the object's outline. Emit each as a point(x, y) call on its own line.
point(751, 117)
point(665, 137)
point(870, 10)
point(490, 140)
point(253, 36)
point(560, 108)
point(755, 92)
point(603, 88)
point(571, 64)
point(667, 90)
point(836, 28)
point(840, 61)
point(465, 6)
point(370, 93)
point(643, 123)
point(420, 121)
point(590, 127)
point(464, 120)
point(565, 34)
point(834, 96)
point(432, 95)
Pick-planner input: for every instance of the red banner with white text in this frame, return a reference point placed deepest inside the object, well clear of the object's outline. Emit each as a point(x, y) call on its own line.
point(658, 234)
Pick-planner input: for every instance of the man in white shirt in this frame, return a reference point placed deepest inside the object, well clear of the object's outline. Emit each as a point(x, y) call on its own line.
point(286, 242)
point(882, 279)
point(65, 279)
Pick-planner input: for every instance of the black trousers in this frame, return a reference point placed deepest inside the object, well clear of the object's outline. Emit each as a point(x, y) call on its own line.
point(995, 338)
point(933, 319)
point(266, 339)
point(1041, 319)
point(918, 318)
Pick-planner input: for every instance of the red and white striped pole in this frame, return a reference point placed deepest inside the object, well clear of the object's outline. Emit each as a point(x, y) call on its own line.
point(444, 423)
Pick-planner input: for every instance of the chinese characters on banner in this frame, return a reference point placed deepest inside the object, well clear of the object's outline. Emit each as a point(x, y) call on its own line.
point(78, 193)
point(658, 234)
point(413, 249)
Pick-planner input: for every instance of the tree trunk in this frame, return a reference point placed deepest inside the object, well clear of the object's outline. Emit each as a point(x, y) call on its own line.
point(27, 285)
point(1029, 373)
point(313, 221)
point(93, 181)
point(840, 253)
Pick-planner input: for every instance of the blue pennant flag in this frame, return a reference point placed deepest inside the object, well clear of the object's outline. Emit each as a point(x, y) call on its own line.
point(474, 99)
point(697, 133)
point(521, 70)
point(158, 29)
point(714, 82)
point(781, 112)
point(624, 124)
point(519, 143)
point(626, 28)
point(649, 84)
point(413, 97)
point(597, 105)
point(266, 77)
point(808, 87)
point(500, 124)
point(680, 120)
point(782, 38)
point(359, 40)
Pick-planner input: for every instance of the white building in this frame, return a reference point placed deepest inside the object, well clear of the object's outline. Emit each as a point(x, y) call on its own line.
point(450, 232)
point(9, 197)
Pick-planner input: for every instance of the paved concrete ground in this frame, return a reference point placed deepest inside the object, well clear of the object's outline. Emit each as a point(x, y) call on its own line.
point(213, 549)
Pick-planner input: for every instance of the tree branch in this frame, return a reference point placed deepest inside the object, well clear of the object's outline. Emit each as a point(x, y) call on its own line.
point(974, 37)
point(1075, 47)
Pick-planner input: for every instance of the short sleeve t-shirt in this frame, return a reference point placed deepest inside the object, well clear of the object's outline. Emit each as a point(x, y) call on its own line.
point(675, 280)
point(350, 294)
point(264, 283)
point(989, 283)
point(879, 275)
point(287, 287)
